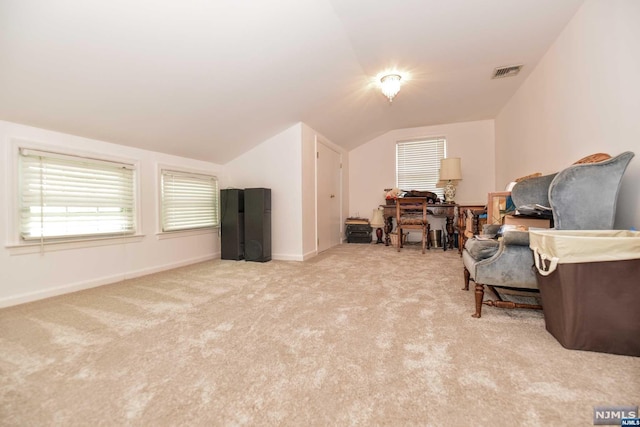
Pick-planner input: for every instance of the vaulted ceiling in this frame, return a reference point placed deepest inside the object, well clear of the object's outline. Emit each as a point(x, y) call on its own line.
point(210, 79)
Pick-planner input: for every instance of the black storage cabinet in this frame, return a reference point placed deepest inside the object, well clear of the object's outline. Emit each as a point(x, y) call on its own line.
point(358, 233)
point(232, 224)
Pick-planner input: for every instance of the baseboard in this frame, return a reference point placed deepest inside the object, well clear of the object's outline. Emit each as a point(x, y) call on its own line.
point(290, 257)
point(287, 257)
point(94, 283)
point(309, 255)
point(157, 269)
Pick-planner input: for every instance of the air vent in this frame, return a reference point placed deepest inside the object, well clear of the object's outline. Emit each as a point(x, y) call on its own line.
point(509, 71)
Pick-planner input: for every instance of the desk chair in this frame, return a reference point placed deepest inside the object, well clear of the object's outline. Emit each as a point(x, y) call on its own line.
point(411, 214)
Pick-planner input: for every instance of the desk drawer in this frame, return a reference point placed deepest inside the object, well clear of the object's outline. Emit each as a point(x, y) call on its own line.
point(351, 228)
point(359, 238)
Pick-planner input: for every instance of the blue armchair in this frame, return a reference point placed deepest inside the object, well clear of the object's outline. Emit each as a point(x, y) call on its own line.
point(582, 197)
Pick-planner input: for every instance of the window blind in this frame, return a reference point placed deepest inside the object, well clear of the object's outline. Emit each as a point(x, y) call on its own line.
point(64, 196)
point(418, 164)
point(189, 200)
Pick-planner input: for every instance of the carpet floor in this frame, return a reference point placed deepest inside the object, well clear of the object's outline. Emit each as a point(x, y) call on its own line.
point(359, 335)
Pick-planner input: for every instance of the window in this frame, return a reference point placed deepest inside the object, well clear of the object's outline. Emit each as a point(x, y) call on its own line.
point(64, 196)
point(418, 164)
point(189, 200)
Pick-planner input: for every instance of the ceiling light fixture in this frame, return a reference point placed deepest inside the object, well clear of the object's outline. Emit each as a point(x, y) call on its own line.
point(390, 85)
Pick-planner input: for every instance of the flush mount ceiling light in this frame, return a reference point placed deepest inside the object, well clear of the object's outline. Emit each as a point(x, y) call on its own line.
point(390, 85)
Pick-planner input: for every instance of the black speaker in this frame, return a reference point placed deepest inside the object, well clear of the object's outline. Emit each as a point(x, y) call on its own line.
point(257, 224)
point(232, 224)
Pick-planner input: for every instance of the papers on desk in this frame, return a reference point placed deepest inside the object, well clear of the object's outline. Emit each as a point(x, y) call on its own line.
point(485, 237)
point(356, 220)
point(535, 210)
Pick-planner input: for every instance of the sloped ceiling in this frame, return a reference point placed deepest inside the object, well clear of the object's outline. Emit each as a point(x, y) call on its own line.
point(210, 79)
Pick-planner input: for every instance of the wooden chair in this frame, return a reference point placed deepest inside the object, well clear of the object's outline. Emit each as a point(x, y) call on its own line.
point(411, 214)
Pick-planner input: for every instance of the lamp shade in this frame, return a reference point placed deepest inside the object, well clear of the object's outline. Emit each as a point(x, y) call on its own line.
point(377, 219)
point(450, 169)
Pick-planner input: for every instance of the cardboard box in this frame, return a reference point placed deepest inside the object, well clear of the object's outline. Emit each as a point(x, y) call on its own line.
point(527, 221)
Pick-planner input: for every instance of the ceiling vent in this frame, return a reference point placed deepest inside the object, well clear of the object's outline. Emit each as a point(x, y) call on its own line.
point(509, 71)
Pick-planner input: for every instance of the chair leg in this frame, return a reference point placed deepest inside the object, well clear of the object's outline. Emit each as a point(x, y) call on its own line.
point(479, 298)
point(399, 231)
point(498, 302)
point(510, 304)
point(424, 235)
point(467, 276)
point(492, 289)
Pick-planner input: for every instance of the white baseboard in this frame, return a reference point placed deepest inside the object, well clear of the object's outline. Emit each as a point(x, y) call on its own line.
point(290, 257)
point(287, 257)
point(93, 283)
point(309, 255)
point(157, 269)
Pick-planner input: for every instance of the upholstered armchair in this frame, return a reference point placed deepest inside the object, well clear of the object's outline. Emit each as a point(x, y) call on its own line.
point(582, 197)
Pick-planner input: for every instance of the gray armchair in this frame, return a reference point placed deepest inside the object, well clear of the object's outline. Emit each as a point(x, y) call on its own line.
point(582, 197)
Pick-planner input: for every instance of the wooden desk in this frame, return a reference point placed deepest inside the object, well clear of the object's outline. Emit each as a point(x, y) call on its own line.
point(497, 206)
point(438, 210)
point(469, 223)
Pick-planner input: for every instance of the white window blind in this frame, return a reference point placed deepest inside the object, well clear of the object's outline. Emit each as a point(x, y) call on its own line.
point(188, 200)
point(418, 164)
point(68, 196)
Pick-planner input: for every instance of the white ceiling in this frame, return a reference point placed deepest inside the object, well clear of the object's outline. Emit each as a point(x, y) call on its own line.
point(209, 79)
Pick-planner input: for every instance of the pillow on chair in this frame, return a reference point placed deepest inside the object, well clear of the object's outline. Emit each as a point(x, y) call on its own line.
point(480, 249)
point(412, 219)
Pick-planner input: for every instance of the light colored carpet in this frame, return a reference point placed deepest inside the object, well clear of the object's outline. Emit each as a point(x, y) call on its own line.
point(360, 335)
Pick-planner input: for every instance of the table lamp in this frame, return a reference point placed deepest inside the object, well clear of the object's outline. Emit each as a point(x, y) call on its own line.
point(451, 173)
point(377, 221)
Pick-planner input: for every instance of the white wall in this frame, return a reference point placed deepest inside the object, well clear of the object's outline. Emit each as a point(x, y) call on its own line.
point(286, 163)
point(373, 165)
point(582, 98)
point(26, 277)
point(276, 164)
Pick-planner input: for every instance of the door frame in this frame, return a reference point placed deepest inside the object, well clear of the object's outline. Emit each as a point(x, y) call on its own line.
point(320, 140)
